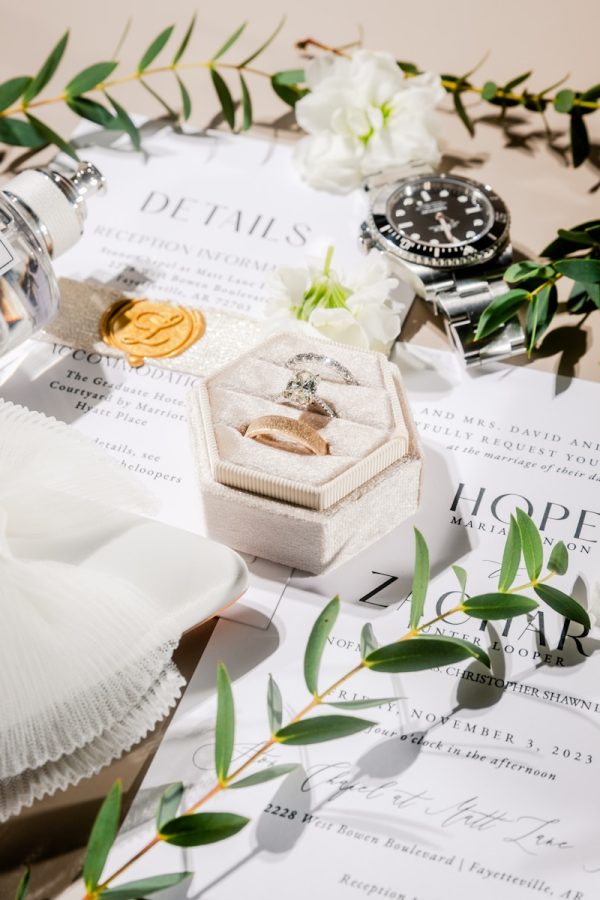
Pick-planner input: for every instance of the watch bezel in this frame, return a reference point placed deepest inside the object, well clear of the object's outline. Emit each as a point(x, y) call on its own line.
point(483, 248)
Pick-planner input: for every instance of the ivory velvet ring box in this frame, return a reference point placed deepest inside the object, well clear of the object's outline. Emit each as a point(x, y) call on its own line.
point(339, 462)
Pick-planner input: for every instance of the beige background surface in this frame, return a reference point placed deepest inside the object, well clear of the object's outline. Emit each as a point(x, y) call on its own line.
point(542, 192)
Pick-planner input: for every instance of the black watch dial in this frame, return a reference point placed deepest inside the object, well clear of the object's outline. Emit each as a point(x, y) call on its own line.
point(441, 220)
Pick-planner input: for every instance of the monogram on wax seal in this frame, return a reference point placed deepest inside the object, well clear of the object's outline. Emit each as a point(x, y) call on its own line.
point(150, 328)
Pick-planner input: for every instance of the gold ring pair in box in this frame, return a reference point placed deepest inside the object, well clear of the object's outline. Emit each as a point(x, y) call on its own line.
point(285, 433)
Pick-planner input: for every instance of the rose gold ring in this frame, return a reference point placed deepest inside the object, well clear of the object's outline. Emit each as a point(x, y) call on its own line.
point(285, 433)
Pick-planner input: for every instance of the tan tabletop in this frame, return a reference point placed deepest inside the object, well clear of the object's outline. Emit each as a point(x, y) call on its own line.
point(542, 191)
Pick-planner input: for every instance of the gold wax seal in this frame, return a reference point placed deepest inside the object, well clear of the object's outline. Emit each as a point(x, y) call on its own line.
point(150, 328)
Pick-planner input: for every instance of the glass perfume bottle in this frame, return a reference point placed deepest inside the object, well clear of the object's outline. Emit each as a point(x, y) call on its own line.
point(42, 212)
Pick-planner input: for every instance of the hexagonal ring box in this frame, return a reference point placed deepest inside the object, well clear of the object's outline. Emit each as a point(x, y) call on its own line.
point(309, 511)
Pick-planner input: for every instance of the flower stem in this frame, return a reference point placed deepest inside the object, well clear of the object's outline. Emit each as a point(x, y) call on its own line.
point(328, 259)
point(531, 584)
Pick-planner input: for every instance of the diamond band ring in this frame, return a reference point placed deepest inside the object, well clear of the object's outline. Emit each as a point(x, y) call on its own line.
point(284, 433)
point(301, 392)
point(295, 361)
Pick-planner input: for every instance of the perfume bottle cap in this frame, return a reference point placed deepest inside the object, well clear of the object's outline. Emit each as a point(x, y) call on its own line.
point(57, 198)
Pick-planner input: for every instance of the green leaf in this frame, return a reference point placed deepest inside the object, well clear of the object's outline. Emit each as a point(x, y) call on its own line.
point(225, 98)
point(168, 109)
point(23, 885)
point(488, 91)
point(18, 133)
point(202, 828)
point(500, 311)
point(531, 544)
point(320, 728)
point(559, 559)
point(462, 112)
point(420, 579)
point(563, 604)
point(104, 832)
point(498, 606)
point(91, 110)
point(90, 78)
point(461, 575)
point(168, 804)
point(561, 246)
point(10, 91)
point(587, 270)
point(274, 705)
point(135, 889)
point(229, 42)
point(515, 82)
point(316, 644)
point(592, 93)
point(263, 46)
point(589, 238)
point(184, 44)
point(225, 725)
point(51, 137)
point(407, 67)
point(264, 775)
point(123, 122)
point(290, 76)
point(362, 704)
point(368, 641)
point(48, 69)
point(564, 100)
point(154, 49)
point(246, 105)
point(511, 557)
point(522, 270)
point(540, 313)
point(285, 85)
point(580, 141)
point(424, 652)
point(186, 103)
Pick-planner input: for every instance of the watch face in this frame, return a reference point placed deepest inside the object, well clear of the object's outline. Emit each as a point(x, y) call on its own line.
point(441, 220)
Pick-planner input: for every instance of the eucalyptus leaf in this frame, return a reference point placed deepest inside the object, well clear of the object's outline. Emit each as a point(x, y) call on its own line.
point(587, 270)
point(461, 576)
point(515, 82)
point(500, 311)
point(580, 140)
point(274, 705)
point(166, 106)
point(186, 103)
point(202, 828)
point(369, 703)
point(531, 544)
point(489, 90)
point(290, 77)
point(426, 651)
point(23, 885)
point(133, 890)
point(49, 67)
point(563, 604)
point(592, 93)
point(90, 78)
point(91, 110)
point(11, 90)
point(225, 98)
point(19, 133)
point(540, 313)
point(407, 67)
point(184, 44)
point(562, 246)
point(230, 41)
point(368, 641)
point(321, 728)
point(264, 775)
point(51, 137)
point(522, 270)
point(123, 122)
point(498, 606)
point(564, 100)
point(102, 837)
point(511, 556)
point(316, 644)
point(462, 112)
point(420, 579)
point(289, 93)
point(559, 559)
point(225, 724)
point(154, 49)
point(589, 238)
point(264, 45)
point(168, 804)
point(246, 105)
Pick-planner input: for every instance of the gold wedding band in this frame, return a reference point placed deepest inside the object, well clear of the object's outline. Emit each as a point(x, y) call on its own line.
point(286, 433)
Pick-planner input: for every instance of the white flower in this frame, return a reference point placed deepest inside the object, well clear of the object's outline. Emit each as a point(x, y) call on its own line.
point(361, 115)
point(353, 310)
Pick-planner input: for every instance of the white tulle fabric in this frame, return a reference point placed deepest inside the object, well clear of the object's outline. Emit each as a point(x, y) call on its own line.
point(83, 676)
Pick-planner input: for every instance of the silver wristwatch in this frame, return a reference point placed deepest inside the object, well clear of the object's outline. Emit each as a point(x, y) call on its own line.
point(448, 236)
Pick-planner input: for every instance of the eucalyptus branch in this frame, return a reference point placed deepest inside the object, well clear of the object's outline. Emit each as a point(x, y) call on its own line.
point(575, 255)
point(415, 650)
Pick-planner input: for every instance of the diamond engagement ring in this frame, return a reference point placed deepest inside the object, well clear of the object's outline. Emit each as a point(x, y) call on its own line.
point(295, 361)
point(301, 392)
